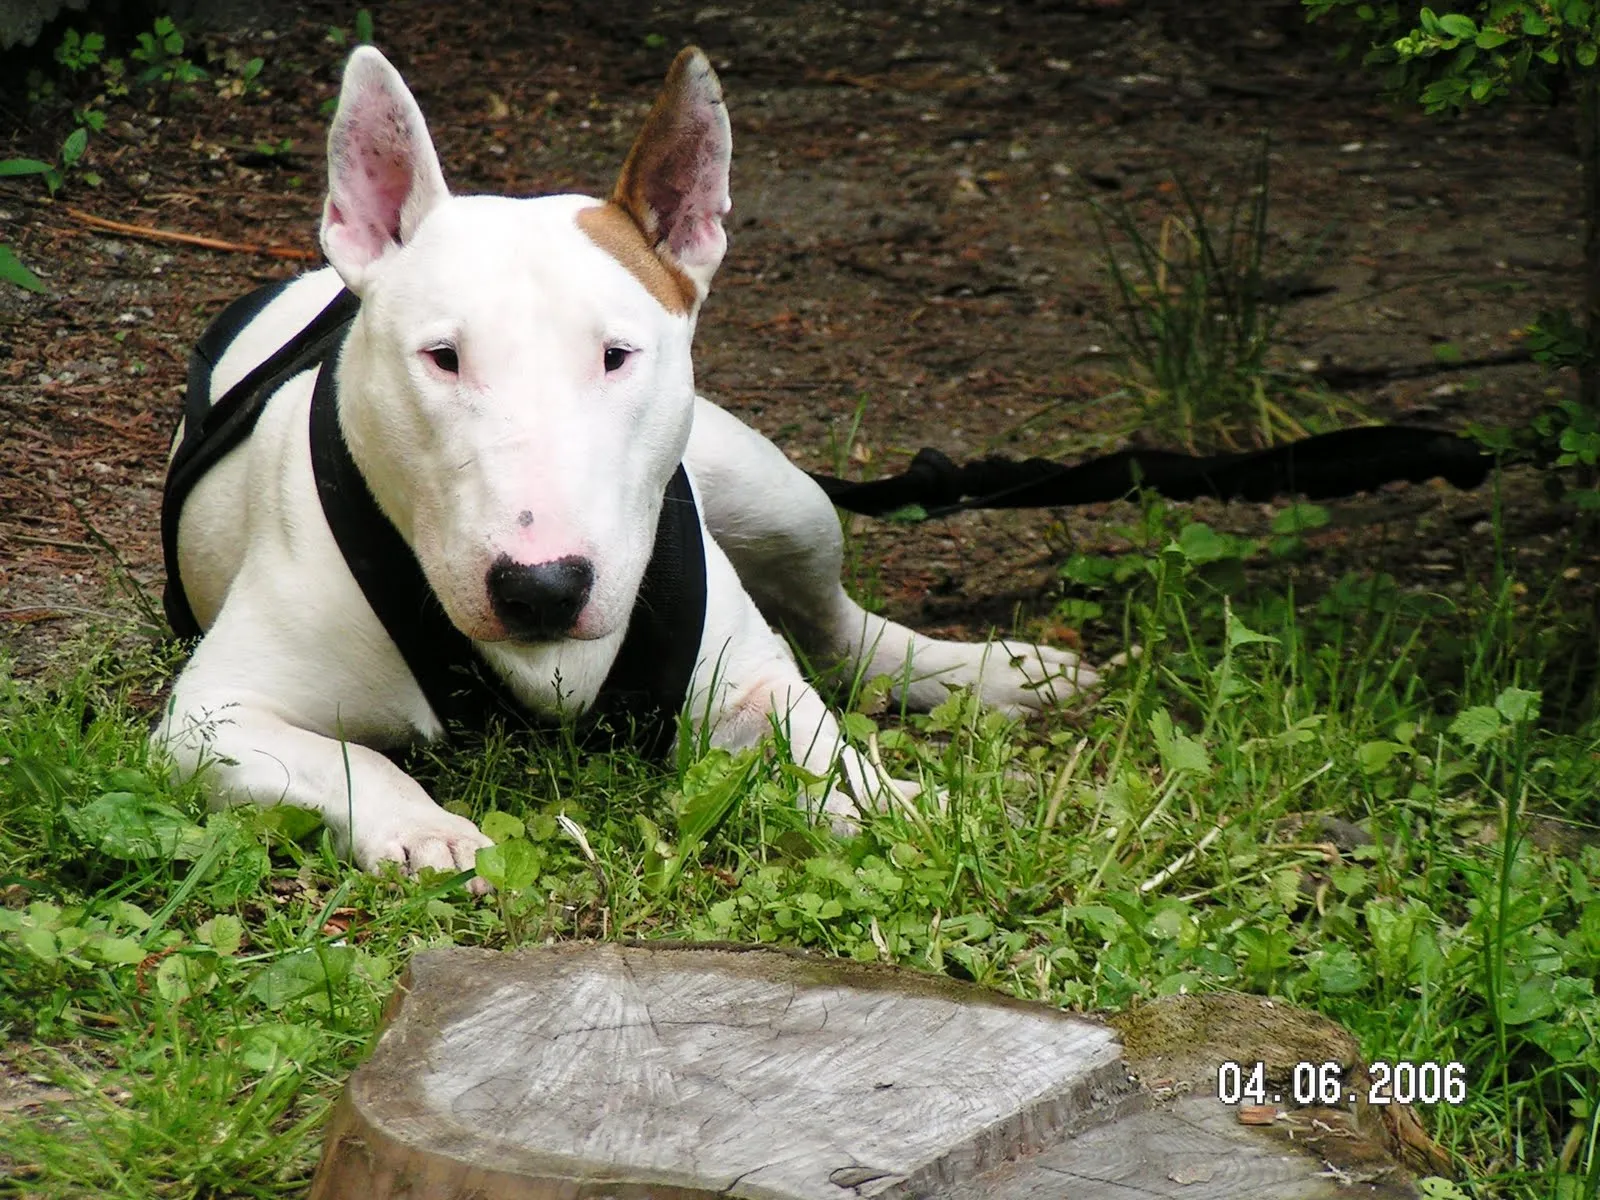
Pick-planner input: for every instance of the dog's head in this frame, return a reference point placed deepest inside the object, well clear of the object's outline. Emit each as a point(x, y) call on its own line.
point(517, 388)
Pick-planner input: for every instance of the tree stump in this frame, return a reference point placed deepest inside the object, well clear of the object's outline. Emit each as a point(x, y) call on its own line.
point(672, 1071)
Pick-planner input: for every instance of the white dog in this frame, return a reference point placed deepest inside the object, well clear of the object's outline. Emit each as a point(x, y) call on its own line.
point(514, 389)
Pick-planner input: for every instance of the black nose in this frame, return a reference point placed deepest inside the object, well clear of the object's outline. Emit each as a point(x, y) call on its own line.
point(538, 602)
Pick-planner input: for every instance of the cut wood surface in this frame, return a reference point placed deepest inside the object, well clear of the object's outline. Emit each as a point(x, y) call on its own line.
point(677, 1071)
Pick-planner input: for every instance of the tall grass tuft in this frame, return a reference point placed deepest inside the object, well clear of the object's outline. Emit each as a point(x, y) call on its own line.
point(1196, 313)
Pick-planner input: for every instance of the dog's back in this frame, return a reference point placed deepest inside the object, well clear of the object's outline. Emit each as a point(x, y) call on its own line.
point(218, 510)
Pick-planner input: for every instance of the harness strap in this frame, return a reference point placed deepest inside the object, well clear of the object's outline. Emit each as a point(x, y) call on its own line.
point(648, 684)
point(210, 430)
point(441, 657)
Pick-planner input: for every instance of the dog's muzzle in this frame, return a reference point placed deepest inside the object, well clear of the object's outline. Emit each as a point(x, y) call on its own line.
point(539, 602)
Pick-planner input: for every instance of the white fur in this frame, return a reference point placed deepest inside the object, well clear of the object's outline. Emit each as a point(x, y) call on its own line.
point(531, 450)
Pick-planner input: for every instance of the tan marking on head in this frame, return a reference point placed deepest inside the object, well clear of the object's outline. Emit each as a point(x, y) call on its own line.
point(610, 227)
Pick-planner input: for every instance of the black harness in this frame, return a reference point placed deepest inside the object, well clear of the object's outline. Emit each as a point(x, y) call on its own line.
point(646, 687)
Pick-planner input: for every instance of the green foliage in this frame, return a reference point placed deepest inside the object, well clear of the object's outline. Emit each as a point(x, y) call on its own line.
point(1555, 339)
point(1160, 539)
point(1492, 48)
point(245, 78)
point(160, 54)
point(50, 172)
point(1567, 436)
point(361, 35)
point(272, 149)
point(12, 270)
point(78, 52)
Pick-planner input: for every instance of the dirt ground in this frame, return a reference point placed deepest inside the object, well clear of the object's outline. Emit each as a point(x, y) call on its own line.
point(907, 235)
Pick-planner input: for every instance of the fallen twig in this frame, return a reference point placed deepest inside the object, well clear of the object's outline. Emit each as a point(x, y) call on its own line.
point(1183, 860)
point(1342, 377)
point(151, 234)
point(29, 539)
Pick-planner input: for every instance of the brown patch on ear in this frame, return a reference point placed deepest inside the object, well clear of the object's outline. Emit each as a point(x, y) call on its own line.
point(610, 227)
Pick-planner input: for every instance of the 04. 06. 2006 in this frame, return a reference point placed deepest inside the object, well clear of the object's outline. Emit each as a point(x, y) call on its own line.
point(1401, 1082)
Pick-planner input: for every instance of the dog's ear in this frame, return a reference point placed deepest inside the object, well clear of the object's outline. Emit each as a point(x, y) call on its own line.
point(383, 174)
point(674, 183)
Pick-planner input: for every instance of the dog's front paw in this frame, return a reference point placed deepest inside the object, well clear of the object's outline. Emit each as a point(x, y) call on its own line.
point(844, 811)
point(1016, 678)
point(1020, 678)
point(417, 837)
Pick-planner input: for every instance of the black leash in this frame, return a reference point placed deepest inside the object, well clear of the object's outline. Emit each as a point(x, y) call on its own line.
point(1319, 467)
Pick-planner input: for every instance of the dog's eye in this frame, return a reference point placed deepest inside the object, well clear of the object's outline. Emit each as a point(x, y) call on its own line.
point(444, 357)
point(615, 357)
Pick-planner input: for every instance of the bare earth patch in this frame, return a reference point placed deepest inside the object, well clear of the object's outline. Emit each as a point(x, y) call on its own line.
point(907, 237)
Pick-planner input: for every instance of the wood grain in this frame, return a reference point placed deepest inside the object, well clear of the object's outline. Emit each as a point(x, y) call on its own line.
point(670, 1071)
point(709, 1072)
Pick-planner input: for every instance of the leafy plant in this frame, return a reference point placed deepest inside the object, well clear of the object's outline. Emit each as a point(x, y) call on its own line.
point(12, 270)
point(1484, 52)
point(243, 77)
point(361, 35)
point(78, 52)
point(53, 173)
point(161, 53)
point(272, 149)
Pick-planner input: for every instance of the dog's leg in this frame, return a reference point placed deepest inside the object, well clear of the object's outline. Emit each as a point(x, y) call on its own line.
point(249, 754)
point(749, 686)
point(783, 537)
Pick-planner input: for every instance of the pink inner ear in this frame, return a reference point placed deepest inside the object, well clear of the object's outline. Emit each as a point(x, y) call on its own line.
point(681, 171)
point(691, 193)
point(374, 173)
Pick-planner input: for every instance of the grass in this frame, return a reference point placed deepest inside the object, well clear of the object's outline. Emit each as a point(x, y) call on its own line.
point(1197, 310)
point(1377, 803)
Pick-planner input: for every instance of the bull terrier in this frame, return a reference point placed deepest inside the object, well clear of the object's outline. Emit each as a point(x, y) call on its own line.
point(507, 391)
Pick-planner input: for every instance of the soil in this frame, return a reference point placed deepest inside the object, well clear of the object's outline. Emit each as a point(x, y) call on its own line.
point(908, 241)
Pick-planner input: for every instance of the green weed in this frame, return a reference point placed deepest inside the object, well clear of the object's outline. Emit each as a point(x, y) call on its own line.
point(861, 575)
point(360, 35)
point(1196, 314)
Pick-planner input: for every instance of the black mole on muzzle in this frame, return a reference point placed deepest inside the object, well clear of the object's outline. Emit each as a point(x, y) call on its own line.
point(539, 602)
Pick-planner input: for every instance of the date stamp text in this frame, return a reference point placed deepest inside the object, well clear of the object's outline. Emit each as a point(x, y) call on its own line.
point(1310, 1083)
